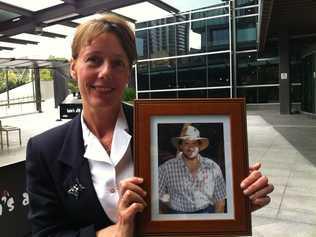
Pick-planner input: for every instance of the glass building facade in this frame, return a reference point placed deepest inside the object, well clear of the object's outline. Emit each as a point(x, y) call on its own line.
point(209, 52)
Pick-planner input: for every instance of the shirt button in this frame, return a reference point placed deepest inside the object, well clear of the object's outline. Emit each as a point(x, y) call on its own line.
point(112, 190)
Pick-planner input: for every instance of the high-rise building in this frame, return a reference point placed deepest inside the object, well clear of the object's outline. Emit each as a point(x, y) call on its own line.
point(227, 50)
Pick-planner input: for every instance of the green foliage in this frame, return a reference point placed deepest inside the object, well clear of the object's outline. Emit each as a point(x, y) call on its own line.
point(72, 86)
point(46, 74)
point(129, 94)
point(16, 77)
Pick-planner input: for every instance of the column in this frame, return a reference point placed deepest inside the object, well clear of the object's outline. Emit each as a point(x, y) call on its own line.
point(284, 73)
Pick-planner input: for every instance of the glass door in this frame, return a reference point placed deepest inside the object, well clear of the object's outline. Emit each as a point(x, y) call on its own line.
point(308, 87)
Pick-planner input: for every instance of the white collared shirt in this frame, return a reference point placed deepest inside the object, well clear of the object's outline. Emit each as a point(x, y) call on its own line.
point(107, 171)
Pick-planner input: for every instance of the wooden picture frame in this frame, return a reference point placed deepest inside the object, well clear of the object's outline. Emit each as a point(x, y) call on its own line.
point(157, 124)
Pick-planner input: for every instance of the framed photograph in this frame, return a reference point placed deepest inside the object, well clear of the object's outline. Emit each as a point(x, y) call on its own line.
point(192, 154)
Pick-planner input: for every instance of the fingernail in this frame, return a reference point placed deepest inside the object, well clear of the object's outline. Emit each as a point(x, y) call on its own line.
point(246, 191)
point(145, 193)
point(141, 179)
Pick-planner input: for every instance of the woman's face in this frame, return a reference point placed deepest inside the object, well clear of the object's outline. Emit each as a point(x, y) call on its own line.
point(102, 71)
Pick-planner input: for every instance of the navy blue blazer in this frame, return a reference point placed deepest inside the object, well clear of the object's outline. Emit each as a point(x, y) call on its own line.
point(54, 165)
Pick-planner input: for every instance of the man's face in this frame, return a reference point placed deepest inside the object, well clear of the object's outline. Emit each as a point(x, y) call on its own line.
point(190, 148)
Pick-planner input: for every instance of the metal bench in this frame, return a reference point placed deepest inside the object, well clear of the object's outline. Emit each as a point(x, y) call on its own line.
point(7, 129)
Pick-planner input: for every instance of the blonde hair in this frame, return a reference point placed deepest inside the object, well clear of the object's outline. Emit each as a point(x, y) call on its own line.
point(88, 31)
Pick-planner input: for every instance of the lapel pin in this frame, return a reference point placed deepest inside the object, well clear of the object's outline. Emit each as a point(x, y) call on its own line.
point(75, 189)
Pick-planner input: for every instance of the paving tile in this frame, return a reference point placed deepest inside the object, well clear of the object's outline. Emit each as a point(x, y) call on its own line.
point(301, 191)
point(299, 203)
point(267, 212)
point(302, 217)
point(284, 229)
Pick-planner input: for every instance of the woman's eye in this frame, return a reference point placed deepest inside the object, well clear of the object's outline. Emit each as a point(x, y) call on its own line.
point(94, 60)
point(118, 63)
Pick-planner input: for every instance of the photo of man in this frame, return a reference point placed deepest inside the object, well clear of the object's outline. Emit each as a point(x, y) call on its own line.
point(189, 182)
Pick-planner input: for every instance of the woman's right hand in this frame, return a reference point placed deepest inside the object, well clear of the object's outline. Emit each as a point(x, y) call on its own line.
point(131, 202)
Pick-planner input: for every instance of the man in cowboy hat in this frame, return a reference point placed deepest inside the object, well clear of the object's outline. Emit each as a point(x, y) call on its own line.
point(194, 183)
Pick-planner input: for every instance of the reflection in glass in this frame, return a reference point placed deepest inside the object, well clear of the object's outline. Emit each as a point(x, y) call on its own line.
point(162, 41)
point(193, 94)
point(217, 34)
point(247, 11)
point(242, 3)
point(192, 72)
point(211, 12)
point(246, 33)
point(142, 44)
point(260, 94)
point(165, 94)
point(218, 70)
point(218, 93)
point(253, 71)
point(163, 74)
point(143, 75)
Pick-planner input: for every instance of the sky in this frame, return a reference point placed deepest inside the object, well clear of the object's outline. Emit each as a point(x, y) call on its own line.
point(61, 47)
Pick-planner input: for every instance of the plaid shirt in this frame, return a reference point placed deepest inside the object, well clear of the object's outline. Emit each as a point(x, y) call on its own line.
point(188, 193)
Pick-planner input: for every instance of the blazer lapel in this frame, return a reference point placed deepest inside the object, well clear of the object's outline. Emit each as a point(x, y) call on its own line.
point(78, 186)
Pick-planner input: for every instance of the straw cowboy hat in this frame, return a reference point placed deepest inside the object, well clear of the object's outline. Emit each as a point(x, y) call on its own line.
point(189, 132)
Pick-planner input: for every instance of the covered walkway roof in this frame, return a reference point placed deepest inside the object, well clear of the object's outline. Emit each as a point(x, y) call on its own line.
point(297, 17)
point(15, 20)
point(6, 63)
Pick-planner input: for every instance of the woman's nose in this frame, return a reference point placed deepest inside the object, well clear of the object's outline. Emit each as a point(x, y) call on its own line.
point(105, 70)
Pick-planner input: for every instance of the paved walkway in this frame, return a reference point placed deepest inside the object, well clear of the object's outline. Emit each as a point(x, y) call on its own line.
point(285, 144)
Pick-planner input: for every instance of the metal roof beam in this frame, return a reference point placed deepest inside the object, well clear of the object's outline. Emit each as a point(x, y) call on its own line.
point(16, 41)
point(6, 48)
point(164, 6)
point(61, 13)
point(47, 34)
point(69, 23)
point(92, 6)
point(15, 9)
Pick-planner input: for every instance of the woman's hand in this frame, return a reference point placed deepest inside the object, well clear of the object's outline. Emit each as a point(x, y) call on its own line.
point(256, 186)
point(131, 202)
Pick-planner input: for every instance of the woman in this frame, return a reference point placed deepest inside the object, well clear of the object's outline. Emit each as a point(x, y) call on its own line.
point(80, 175)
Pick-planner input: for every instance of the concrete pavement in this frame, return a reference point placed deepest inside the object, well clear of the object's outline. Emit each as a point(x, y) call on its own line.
point(284, 144)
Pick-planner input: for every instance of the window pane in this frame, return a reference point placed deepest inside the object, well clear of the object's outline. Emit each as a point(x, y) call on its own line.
point(247, 69)
point(142, 44)
point(246, 33)
point(268, 94)
point(163, 74)
point(211, 12)
point(268, 71)
point(218, 93)
point(193, 94)
point(218, 70)
point(183, 38)
point(296, 71)
point(260, 94)
point(251, 94)
point(143, 95)
point(192, 72)
point(162, 41)
point(166, 94)
point(247, 11)
point(296, 93)
point(242, 3)
point(217, 34)
point(143, 76)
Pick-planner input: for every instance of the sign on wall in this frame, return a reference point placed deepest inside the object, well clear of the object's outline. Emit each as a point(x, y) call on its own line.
point(14, 201)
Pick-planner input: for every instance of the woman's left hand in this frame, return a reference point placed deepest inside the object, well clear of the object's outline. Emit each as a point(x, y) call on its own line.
point(256, 186)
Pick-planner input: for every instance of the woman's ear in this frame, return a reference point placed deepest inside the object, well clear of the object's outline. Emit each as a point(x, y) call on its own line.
point(73, 72)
